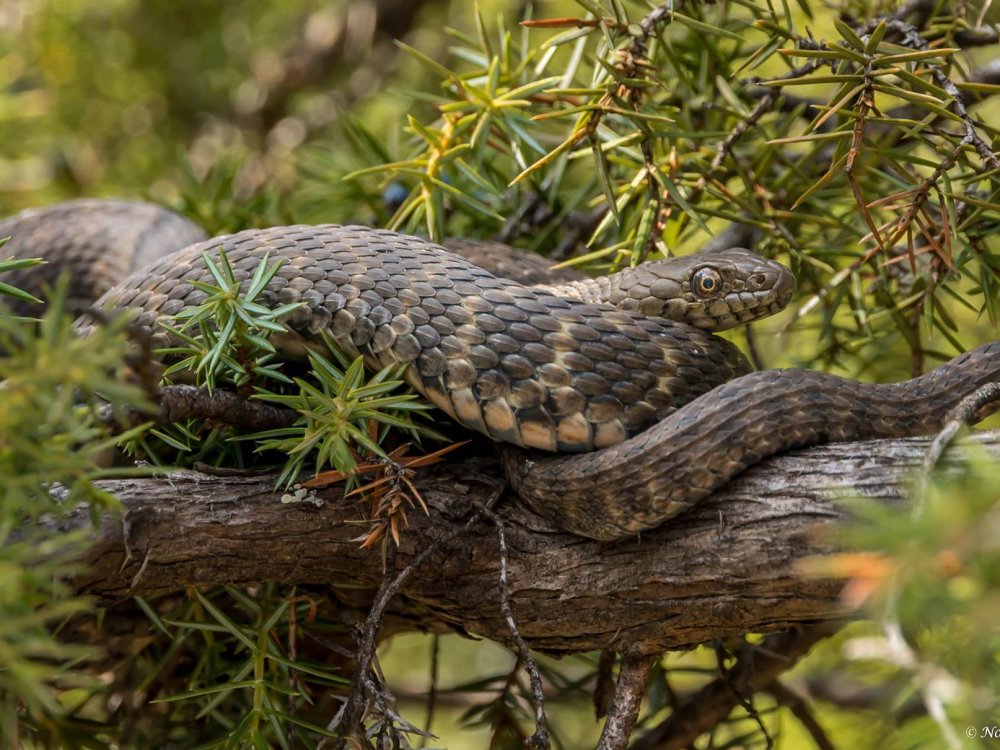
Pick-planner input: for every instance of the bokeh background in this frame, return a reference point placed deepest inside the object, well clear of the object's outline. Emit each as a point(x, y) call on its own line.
point(238, 113)
point(138, 97)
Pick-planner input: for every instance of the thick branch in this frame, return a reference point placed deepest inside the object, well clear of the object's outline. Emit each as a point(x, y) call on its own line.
point(725, 568)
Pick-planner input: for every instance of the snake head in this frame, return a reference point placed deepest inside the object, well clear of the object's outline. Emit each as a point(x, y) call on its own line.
point(713, 291)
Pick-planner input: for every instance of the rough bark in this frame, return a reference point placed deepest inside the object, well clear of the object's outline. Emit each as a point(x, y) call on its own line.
point(725, 568)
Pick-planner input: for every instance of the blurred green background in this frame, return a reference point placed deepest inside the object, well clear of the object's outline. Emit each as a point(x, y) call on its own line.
point(241, 106)
point(120, 97)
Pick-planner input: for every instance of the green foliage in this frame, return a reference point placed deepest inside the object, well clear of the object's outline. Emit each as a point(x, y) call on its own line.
point(53, 442)
point(224, 340)
point(102, 93)
point(53, 428)
point(11, 264)
point(933, 574)
point(339, 416)
point(41, 678)
point(245, 685)
point(232, 328)
point(218, 202)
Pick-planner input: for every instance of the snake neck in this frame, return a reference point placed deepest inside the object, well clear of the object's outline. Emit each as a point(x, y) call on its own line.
point(713, 291)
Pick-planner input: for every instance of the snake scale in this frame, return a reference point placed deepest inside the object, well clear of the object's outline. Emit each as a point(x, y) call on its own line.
point(618, 406)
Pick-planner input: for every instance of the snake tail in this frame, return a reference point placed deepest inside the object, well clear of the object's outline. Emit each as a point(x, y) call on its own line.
point(685, 457)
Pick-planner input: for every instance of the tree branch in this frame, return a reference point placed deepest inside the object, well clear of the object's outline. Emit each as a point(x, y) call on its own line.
point(627, 700)
point(725, 568)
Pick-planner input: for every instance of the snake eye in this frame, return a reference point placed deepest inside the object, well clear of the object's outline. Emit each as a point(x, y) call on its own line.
point(706, 282)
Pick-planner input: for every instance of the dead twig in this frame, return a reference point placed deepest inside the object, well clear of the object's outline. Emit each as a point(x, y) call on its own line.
point(740, 684)
point(799, 708)
point(540, 739)
point(432, 690)
point(352, 714)
point(604, 686)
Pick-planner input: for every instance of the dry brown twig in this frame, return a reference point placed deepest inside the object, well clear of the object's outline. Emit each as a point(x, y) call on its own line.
point(390, 493)
point(540, 738)
point(798, 705)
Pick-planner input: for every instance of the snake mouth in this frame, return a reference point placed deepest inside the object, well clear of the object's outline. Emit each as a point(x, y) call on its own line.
point(767, 301)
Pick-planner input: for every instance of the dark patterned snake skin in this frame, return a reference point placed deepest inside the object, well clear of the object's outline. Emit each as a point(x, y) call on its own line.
point(657, 410)
point(98, 241)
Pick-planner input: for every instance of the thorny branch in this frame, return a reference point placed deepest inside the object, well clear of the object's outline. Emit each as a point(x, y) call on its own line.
point(635, 55)
point(178, 403)
point(632, 63)
point(866, 104)
point(912, 38)
point(181, 402)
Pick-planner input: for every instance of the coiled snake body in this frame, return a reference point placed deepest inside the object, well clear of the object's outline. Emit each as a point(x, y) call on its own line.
point(658, 411)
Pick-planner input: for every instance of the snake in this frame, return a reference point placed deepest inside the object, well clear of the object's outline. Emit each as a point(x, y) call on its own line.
point(614, 403)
